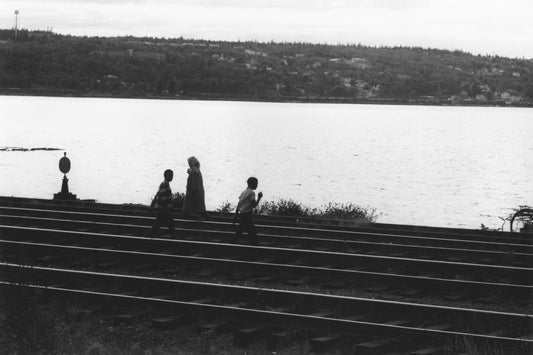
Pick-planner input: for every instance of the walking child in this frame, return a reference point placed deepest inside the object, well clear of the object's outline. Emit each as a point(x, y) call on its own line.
point(162, 205)
point(244, 211)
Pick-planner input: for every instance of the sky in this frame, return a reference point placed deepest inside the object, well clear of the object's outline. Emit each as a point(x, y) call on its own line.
point(493, 27)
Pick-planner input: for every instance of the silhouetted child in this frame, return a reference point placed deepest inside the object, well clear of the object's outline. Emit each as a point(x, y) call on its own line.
point(244, 211)
point(162, 205)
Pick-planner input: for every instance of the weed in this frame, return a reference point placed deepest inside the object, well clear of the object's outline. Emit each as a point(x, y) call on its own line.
point(226, 207)
point(177, 200)
point(339, 211)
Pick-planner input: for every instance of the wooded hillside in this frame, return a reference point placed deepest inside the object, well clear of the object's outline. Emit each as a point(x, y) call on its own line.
point(47, 63)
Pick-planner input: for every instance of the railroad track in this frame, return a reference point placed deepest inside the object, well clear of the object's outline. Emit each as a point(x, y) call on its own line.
point(297, 263)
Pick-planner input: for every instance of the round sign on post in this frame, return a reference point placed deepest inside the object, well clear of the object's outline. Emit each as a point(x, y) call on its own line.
point(64, 164)
point(64, 167)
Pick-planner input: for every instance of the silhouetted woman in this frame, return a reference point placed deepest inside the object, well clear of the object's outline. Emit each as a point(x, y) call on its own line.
point(194, 195)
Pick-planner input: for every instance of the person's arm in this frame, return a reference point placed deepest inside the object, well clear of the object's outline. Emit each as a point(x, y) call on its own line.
point(255, 203)
point(236, 212)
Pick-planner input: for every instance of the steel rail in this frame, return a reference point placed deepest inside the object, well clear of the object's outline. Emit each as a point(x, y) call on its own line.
point(338, 236)
point(350, 246)
point(285, 255)
point(468, 317)
point(130, 258)
point(331, 225)
point(280, 252)
point(272, 223)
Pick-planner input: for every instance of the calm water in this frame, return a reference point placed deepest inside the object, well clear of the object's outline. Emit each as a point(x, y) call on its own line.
point(443, 166)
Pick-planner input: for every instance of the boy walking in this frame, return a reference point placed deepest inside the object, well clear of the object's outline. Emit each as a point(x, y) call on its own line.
point(162, 205)
point(244, 211)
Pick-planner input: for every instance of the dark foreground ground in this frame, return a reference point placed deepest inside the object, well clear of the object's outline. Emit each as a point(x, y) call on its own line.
point(31, 323)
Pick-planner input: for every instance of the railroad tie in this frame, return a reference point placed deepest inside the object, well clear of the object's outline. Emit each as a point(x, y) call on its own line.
point(215, 327)
point(170, 322)
point(163, 297)
point(299, 281)
point(141, 267)
point(246, 336)
point(78, 314)
point(202, 301)
point(274, 340)
point(431, 350)
point(374, 346)
point(412, 293)
point(324, 343)
point(240, 276)
point(398, 322)
point(377, 288)
point(107, 264)
point(126, 318)
point(336, 285)
point(454, 297)
point(173, 270)
point(442, 326)
point(267, 279)
point(486, 299)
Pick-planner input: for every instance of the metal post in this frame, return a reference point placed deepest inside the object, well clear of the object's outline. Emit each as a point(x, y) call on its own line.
point(16, 22)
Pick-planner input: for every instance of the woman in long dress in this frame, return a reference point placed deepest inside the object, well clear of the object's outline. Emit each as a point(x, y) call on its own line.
point(194, 202)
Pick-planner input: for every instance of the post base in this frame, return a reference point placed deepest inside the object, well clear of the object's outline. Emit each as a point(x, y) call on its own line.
point(62, 196)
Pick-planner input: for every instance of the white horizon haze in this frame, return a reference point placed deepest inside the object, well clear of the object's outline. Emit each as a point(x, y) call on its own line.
point(486, 27)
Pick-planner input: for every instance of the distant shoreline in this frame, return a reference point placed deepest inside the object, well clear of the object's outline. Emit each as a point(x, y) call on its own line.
point(282, 99)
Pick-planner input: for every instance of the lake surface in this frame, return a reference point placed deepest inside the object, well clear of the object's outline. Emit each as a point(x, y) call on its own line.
point(439, 166)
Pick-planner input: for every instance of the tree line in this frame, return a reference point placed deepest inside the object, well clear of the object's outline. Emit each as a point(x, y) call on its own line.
point(48, 63)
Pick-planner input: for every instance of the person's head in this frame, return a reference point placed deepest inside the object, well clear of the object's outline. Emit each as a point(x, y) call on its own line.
point(168, 174)
point(252, 182)
point(193, 162)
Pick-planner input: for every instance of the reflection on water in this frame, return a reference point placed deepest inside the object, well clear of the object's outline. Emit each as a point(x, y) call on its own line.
point(446, 166)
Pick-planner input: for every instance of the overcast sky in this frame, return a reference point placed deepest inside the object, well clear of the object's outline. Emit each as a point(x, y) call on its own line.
point(478, 26)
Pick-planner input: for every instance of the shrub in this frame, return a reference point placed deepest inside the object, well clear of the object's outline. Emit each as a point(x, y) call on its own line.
point(284, 208)
point(347, 211)
point(177, 200)
point(226, 207)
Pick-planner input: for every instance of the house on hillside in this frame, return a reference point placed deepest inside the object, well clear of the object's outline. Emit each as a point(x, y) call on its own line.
point(255, 53)
point(481, 98)
point(360, 63)
point(130, 53)
point(346, 81)
point(403, 76)
point(511, 98)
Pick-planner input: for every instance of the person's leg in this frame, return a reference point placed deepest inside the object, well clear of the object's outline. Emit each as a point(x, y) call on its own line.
point(252, 233)
point(169, 221)
point(244, 221)
point(156, 225)
point(248, 225)
point(238, 231)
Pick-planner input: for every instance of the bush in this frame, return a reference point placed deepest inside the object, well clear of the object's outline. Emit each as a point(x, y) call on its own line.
point(348, 211)
point(284, 208)
point(226, 207)
point(177, 200)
